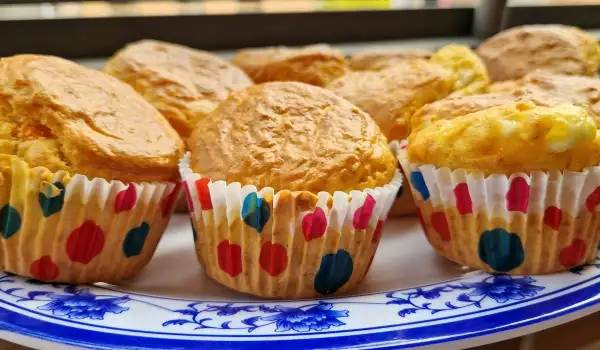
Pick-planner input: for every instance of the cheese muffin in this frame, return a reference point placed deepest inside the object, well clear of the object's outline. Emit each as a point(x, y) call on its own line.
point(78, 150)
point(378, 60)
point(513, 53)
point(184, 84)
point(511, 188)
point(315, 64)
point(289, 163)
point(392, 95)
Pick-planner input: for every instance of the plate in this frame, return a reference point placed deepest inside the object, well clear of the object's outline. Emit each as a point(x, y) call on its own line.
point(411, 298)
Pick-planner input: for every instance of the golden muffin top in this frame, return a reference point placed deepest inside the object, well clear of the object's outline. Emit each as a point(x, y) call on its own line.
point(293, 136)
point(578, 90)
point(315, 64)
point(378, 60)
point(456, 106)
point(513, 53)
point(182, 83)
point(62, 116)
point(392, 95)
point(515, 137)
point(470, 74)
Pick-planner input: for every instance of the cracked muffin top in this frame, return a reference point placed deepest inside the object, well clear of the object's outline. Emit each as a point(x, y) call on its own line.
point(184, 84)
point(62, 116)
point(294, 136)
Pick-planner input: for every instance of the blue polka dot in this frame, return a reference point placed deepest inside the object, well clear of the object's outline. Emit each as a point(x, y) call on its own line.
point(255, 211)
point(335, 271)
point(501, 250)
point(418, 182)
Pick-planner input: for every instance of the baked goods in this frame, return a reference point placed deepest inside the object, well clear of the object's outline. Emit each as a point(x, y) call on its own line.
point(378, 60)
point(392, 95)
point(62, 125)
point(182, 83)
point(470, 74)
point(513, 53)
point(509, 189)
point(274, 173)
point(314, 64)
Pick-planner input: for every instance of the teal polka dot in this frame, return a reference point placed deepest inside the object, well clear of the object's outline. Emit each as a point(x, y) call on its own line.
point(255, 211)
point(334, 272)
point(52, 205)
point(135, 239)
point(10, 221)
point(400, 192)
point(501, 250)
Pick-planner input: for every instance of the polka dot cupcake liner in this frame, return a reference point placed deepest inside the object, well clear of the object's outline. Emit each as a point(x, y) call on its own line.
point(404, 204)
point(534, 223)
point(55, 227)
point(285, 244)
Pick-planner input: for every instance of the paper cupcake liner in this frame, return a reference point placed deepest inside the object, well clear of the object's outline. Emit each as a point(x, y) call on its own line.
point(70, 229)
point(285, 244)
point(404, 204)
point(534, 223)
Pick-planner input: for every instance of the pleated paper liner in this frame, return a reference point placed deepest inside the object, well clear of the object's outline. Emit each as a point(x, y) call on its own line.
point(534, 223)
point(70, 229)
point(285, 244)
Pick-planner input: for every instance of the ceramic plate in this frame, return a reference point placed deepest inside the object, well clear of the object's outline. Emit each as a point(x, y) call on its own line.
point(410, 298)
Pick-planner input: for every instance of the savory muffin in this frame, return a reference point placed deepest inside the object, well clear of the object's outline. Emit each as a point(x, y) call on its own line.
point(84, 165)
point(513, 53)
point(392, 95)
point(290, 186)
point(315, 64)
point(509, 189)
point(378, 60)
point(182, 83)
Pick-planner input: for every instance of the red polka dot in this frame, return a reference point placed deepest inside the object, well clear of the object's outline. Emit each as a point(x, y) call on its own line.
point(440, 224)
point(574, 254)
point(378, 231)
point(593, 200)
point(85, 242)
point(44, 269)
point(314, 224)
point(362, 216)
point(273, 258)
point(463, 199)
point(204, 193)
point(125, 200)
point(517, 197)
point(230, 258)
point(553, 217)
point(170, 200)
point(188, 195)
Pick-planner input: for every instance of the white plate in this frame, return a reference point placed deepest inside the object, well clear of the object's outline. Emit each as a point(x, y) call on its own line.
point(410, 298)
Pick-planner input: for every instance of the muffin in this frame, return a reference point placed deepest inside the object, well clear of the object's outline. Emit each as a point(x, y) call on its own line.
point(289, 188)
point(513, 53)
point(315, 64)
point(392, 95)
point(182, 83)
point(378, 60)
point(509, 189)
point(86, 168)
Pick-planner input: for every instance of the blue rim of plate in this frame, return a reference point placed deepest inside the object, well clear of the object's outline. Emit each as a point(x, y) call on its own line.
point(474, 305)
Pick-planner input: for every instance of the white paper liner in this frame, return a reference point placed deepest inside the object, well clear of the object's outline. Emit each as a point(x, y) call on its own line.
point(287, 210)
point(550, 241)
point(61, 243)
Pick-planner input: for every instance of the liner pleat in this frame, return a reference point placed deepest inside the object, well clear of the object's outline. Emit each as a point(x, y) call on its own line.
point(556, 228)
point(278, 259)
point(75, 234)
